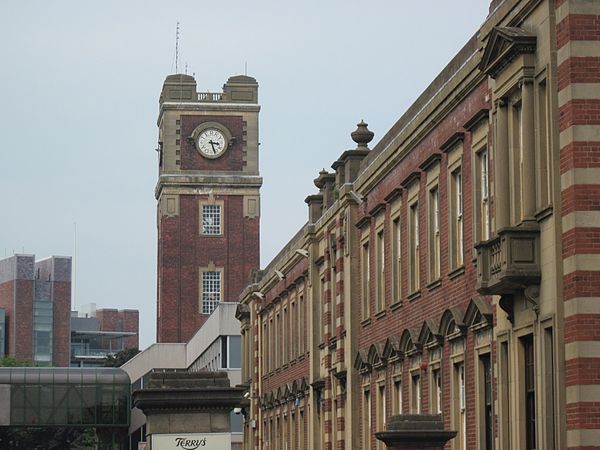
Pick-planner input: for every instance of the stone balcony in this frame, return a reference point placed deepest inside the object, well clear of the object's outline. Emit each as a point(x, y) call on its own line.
point(510, 261)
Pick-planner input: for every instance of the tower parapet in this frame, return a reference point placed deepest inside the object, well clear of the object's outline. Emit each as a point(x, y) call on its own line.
point(183, 88)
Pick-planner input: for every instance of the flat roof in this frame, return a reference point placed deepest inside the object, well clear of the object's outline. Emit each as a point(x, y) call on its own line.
point(63, 375)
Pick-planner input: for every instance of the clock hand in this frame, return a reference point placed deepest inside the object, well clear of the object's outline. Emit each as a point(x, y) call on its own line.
point(212, 144)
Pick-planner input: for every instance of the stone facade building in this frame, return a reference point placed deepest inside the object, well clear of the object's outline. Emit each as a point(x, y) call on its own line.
point(454, 268)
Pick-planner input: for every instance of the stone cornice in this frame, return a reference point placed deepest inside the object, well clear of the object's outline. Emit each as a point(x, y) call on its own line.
point(477, 118)
point(204, 184)
point(378, 208)
point(452, 141)
point(503, 46)
point(459, 78)
point(432, 159)
point(363, 222)
point(393, 195)
point(410, 179)
point(167, 399)
point(196, 391)
point(199, 106)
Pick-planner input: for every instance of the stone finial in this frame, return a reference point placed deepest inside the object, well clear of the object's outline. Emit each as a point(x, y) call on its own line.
point(362, 135)
point(323, 178)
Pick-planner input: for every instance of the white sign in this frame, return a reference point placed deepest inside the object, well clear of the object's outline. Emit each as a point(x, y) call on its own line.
point(191, 441)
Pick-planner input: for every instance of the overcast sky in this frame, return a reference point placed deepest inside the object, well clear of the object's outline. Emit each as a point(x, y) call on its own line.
point(79, 87)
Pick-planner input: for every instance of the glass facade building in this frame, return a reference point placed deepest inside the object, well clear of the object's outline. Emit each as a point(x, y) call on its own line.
point(88, 397)
point(42, 332)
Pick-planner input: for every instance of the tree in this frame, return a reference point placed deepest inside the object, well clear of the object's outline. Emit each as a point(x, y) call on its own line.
point(120, 358)
point(10, 361)
point(48, 438)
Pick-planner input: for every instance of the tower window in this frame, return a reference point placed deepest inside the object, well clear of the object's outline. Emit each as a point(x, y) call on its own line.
point(211, 219)
point(211, 291)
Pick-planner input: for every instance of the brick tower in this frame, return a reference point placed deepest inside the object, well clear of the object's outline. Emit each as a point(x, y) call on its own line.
point(208, 200)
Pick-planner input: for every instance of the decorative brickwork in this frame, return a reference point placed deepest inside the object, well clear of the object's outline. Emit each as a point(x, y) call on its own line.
point(407, 315)
point(578, 71)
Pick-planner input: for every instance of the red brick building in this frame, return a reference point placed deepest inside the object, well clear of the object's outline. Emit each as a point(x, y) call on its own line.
point(97, 333)
point(35, 304)
point(208, 200)
point(116, 320)
point(453, 268)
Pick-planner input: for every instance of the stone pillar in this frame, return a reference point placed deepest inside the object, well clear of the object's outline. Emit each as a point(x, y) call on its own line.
point(528, 150)
point(315, 207)
point(501, 168)
point(182, 405)
point(326, 183)
point(415, 432)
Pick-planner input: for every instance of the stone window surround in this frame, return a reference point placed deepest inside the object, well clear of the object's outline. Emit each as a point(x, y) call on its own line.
point(365, 268)
point(456, 232)
point(458, 405)
point(396, 253)
point(202, 270)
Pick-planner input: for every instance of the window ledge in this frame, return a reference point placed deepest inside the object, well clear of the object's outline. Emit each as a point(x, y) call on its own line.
point(380, 314)
point(415, 295)
point(366, 322)
point(434, 284)
point(456, 272)
point(396, 305)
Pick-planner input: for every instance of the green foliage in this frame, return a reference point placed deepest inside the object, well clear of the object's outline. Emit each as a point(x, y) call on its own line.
point(48, 438)
point(9, 361)
point(120, 358)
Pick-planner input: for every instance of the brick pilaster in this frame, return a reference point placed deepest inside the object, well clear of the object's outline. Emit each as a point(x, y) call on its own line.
point(578, 36)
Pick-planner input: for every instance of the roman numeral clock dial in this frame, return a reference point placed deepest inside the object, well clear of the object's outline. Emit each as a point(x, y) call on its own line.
point(211, 143)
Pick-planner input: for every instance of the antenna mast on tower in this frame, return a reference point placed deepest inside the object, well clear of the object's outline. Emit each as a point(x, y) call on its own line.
point(177, 49)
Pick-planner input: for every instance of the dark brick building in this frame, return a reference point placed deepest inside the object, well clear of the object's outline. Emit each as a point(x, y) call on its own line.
point(208, 200)
point(453, 268)
point(35, 301)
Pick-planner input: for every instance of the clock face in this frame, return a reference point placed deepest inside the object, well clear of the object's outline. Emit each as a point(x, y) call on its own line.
point(212, 143)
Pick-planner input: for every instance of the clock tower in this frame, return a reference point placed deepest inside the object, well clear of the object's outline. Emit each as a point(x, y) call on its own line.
point(208, 210)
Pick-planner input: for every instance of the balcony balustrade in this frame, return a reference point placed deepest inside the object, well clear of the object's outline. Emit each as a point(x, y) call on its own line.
point(510, 261)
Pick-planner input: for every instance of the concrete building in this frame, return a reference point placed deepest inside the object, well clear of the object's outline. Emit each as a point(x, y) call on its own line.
point(97, 333)
point(453, 268)
point(215, 347)
point(35, 303)
point(208, 200)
